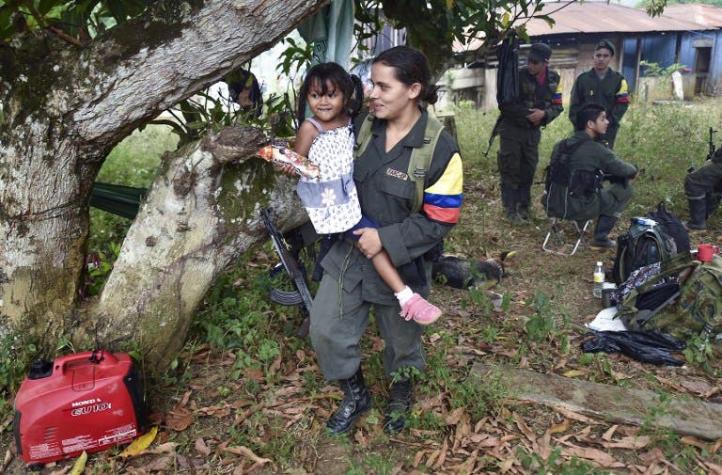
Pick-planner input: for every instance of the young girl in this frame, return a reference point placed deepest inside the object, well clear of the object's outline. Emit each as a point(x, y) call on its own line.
point(332, 203)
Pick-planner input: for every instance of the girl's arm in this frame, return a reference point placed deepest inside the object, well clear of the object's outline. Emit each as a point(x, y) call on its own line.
point(306, 133)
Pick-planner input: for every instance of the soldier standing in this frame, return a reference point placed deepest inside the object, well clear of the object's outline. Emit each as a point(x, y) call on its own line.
point(703, 188)
point(539, 102)
point(604, 86)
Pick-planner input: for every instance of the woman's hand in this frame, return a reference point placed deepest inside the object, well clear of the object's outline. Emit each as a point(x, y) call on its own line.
point(369, 242)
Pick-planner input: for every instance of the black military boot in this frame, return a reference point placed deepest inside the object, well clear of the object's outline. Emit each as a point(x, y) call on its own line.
point(713, 202)
point(523, 201)
point(697, 214)
point(509, 200)
point(356, 401)
point(601, 232)
point(399, 407)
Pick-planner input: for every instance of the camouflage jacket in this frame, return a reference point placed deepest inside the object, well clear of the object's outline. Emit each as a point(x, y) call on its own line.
point(532, 95)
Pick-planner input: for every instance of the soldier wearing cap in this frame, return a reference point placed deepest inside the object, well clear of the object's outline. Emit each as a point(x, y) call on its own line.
point(604, 86)
point(520, 122)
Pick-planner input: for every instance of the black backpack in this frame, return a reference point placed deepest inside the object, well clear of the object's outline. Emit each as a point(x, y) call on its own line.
point(646, 243)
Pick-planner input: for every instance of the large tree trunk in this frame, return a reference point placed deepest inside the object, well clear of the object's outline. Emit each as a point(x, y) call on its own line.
point(201, 214)
point(64, 108)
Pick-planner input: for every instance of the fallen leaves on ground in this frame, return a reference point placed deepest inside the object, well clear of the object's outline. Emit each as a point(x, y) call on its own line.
point(248, 453)
point(595, 455)
point(79, 465)
point(140, 444)
point(201, 447)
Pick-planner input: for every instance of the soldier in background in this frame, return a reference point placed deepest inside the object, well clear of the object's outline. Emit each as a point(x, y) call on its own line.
point(539, 102)
point(244, 90)
point(703, 188)
point(588, 164)
point(604, 86)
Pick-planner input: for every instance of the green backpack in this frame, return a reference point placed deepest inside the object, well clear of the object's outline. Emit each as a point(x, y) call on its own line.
point(695, 308)
point(420, 157)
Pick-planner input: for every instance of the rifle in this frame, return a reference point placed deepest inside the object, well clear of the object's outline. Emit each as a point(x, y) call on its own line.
point(494, 133)
point(710, 143)
point(507, 78)
point(711, 150)
point(301, 296)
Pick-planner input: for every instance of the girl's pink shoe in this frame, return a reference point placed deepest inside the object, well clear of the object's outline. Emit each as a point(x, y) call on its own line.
point(420, 310)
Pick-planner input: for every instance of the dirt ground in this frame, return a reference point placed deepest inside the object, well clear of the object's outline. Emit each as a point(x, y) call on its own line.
point(246, 395)
point(272, 420)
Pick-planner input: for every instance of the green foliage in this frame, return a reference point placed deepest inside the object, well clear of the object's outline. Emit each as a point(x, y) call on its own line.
point(295, 57)
point(478, 398)
point(77, 20)
point(656, 7)
point(16, 352)
point(376, 463)
point(543, 324)
point(700, 352)
point(434, 26)
point(654, 69)
point(553, 464)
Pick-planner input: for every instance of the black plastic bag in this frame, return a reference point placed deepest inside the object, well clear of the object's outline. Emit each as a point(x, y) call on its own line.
point(647, 347)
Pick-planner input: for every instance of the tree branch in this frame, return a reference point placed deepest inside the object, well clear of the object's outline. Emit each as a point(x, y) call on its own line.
point(174, 60)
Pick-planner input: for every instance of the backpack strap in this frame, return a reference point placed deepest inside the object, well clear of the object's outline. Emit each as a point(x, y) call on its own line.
point(420, 156)
point(363, 136)
point(421, 160)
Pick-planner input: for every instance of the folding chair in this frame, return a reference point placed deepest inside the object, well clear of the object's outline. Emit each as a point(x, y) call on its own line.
point(558, 237)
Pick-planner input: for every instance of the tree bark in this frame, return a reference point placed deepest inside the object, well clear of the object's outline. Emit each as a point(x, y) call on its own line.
point(63, 109)
point(200, 216)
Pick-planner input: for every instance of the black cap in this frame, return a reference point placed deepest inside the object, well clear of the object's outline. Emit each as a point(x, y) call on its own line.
point(605, 44)
point(540, 51)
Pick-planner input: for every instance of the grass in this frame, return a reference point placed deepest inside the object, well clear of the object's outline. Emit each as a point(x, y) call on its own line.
point(243, 352)
point(134, 162)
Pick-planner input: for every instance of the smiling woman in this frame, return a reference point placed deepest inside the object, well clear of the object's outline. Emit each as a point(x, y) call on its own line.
point(397, 228)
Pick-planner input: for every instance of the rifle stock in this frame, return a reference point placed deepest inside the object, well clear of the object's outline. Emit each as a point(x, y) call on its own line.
point(302, 295)
point(494, 133)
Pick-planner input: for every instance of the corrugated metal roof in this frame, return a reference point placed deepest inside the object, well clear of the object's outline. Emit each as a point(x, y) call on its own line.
point(603, 17)
point(708, 15)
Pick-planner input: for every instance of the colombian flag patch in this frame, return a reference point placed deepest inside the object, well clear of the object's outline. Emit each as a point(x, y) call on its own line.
point(442, 200)
point(622, 96)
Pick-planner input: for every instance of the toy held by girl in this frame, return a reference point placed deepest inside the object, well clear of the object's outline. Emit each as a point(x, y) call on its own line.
point(331, 200)
point(286, 157)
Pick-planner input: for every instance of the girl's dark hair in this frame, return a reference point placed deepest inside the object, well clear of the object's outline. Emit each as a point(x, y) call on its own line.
point(410, 66)
point(332, 73)
point(586, 113)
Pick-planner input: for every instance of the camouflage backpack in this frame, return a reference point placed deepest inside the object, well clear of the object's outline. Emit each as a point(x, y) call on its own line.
point(684, 307)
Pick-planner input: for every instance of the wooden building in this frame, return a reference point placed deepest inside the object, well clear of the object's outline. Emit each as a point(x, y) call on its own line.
point(689, 34)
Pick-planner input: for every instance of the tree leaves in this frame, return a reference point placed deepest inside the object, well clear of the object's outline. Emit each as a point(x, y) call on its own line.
point(76, 20)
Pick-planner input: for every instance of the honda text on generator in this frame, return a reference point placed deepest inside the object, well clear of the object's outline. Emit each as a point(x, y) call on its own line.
point(82, 402)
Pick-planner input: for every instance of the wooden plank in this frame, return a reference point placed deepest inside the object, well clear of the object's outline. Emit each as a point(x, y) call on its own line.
point(684, 415)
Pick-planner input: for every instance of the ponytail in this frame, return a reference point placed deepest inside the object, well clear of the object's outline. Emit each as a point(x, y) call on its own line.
point(302, 102)
point(355, 102)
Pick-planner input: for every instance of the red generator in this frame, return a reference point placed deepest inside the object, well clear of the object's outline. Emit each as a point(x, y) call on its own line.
point(83, 402)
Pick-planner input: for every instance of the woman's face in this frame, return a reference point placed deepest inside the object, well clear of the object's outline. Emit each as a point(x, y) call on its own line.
point(390, 98)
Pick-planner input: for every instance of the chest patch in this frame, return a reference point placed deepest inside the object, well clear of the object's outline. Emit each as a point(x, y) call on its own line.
point(397, 174)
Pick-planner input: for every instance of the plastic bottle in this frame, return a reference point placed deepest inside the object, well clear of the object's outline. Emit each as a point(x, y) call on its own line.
point(598, 280)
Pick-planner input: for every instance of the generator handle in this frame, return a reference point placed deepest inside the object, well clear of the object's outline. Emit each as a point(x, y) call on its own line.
point(103, 357)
